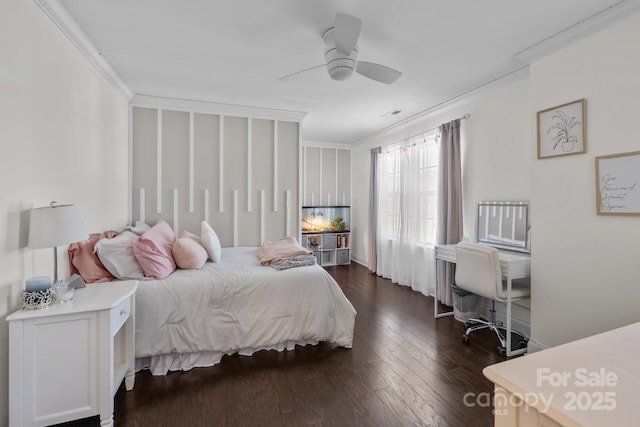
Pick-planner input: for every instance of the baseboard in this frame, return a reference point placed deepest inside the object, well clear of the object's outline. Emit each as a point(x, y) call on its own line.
point(516, 324)
point(533, 346)
point(358, 260)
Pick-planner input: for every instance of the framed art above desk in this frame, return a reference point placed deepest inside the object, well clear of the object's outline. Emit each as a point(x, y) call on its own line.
point(618, 184)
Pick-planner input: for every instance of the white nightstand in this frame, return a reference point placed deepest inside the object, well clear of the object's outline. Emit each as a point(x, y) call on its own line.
point(67, 361)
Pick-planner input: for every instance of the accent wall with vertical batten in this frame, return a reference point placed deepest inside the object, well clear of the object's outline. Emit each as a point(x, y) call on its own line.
point(326, 175)
point(240, 174)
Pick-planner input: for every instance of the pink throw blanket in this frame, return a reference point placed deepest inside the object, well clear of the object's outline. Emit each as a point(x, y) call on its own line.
point(274, 250)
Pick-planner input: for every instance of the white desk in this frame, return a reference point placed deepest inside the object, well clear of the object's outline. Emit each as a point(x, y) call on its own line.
point(591, 382)
point(514, 265)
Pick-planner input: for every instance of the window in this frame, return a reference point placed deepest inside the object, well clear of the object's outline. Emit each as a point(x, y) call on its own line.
point(408, 186)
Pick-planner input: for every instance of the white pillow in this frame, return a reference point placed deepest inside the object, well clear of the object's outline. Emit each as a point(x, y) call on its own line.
point(116, 255)
point(210, 241)
point(139, 228)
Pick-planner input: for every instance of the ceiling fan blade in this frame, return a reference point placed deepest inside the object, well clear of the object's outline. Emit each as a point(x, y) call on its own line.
point(347, 31)
point(377, 72)
point(298, 73)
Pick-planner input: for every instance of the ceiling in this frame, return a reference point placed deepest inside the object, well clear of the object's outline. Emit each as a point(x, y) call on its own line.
point(234, 51)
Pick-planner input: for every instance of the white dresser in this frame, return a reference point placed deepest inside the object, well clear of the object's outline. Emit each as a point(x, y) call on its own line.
point(591, 382)
point(67, 361)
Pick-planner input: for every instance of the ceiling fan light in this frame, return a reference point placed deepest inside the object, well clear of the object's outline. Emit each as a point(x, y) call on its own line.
point(339, 65)
point(341, 72)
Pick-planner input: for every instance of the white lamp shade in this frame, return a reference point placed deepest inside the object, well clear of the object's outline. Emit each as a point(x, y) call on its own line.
point(55, 225)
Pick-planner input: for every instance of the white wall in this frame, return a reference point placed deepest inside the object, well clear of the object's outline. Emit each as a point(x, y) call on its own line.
point(496, 154)
point(585, 267)
point(63, 136)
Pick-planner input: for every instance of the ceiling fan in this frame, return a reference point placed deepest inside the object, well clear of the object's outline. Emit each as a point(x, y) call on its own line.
point(341, 54)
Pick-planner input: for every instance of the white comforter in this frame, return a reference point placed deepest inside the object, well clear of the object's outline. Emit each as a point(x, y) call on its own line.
point(194, 317)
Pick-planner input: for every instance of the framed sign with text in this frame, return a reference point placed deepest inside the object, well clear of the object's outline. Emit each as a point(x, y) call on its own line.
point(618, 184)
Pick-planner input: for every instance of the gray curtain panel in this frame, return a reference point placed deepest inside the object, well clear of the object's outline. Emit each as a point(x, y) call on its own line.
point(372, 253)
point(449, 227)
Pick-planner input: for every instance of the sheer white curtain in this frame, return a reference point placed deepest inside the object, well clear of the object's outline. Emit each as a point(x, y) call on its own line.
point(407, 209)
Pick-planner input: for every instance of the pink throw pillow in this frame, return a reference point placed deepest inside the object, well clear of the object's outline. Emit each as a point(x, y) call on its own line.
point(188, 253)
point(153, 251)
point(84, 261)
point(194, 237)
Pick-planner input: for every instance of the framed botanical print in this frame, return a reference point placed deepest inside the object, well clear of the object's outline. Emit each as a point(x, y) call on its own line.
point(562, 130)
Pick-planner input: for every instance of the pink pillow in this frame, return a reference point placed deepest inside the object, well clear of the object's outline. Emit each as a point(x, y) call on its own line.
point(153, 251)
point(188, 253)
point(84, 261)
point(190, 235)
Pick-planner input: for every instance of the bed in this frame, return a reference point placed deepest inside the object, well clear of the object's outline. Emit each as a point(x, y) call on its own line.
point(193, 318)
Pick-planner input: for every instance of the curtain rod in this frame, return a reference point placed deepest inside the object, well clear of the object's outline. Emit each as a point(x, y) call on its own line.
point(466, 116)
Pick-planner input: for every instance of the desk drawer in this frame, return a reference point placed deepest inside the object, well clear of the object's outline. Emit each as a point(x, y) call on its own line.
point(120, 314)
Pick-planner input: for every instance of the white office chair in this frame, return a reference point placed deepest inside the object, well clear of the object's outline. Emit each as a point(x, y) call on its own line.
point(478, 271)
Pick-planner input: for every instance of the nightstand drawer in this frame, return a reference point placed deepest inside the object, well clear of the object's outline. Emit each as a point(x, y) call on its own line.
point(120, 314)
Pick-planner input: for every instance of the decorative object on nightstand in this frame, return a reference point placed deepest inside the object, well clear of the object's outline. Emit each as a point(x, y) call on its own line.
point(63, 291)
point(37, 294)
point(55, 225)
point(36, 300)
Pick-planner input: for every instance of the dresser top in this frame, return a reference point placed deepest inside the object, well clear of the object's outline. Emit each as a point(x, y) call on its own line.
point(594, 381)
point(93, 297)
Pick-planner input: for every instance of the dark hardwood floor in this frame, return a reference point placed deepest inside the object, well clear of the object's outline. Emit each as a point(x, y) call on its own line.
point(405, 368)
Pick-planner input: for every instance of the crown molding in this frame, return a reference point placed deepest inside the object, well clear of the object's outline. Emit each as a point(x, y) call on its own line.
point(322, 144)
point(580, 30)
point(197, 106)
point(70, 28)
point(518, 74)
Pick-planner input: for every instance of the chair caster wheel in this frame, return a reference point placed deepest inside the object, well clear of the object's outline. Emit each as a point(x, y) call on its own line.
point(465, 338)
point(522, 344)
point(502, 351)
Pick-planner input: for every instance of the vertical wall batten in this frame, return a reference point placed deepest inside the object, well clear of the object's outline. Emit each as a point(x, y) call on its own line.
point(304, 176)
point(176, 225)
point(235, 218)
point(142, 205)
point(288, 216)
point(262, 216)
point(249, 166)
point(221, 167)
point(320, 178)
point(206, 205)
point(191, 165)
point(337, 169)
point(275, 166)
point(159, 163)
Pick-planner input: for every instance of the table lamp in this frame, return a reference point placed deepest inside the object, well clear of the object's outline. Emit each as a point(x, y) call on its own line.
point(55, 225)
